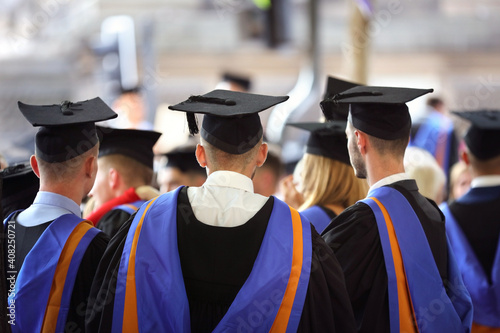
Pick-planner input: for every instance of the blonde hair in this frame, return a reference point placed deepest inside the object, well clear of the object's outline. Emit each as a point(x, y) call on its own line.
point(326, 181)
point(423, 167)
point(133, 173)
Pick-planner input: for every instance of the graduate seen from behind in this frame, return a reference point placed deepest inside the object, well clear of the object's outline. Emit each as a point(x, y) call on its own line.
point(123, 182)
point(472, 219)
point(56, 251)
point(392, 246)
point(326, 183)
point(220, 257)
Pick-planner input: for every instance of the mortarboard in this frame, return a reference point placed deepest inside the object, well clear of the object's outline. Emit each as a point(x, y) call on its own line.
point(184, 159)
point(133, 143)
point(240, 80)
point(231, 121)
point(331, 110)
point(67, 130)
point(483, 135)
point(20, 186)
point(326, 139)
point(380, 111)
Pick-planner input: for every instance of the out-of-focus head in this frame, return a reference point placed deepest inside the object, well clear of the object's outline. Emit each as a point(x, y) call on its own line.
point(423, 167)
point(483, 135)
point(235, 82)
point(181, 168)
point(125, 160)
point(460, 179)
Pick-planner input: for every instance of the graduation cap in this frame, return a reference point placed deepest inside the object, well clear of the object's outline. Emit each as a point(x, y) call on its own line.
point(240, 80)
point(184, 159)
point(67, 130)
point(332, 110)
point(326, 139)
point(483, 135)
point(19, 189)
point(231, 121)
point(133, 143)
point(380, 111)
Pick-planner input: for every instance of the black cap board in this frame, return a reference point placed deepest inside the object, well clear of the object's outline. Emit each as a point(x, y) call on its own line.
point(326, 139)
point(136, 144)
point(184, 159)
point(19, 189)
point(67, 130)
point(231, 121)
point(331, 110)
point(380, 111)
point(483, 136)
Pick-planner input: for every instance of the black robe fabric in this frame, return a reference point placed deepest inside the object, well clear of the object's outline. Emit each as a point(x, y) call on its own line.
point(331, 214)
point(112, 221)
point(353, 236)
point(477, 215)
point(26, 237)
point(216, 262)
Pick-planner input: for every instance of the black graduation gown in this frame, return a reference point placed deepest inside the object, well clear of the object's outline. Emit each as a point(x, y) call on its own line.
point(26, 237)
point(477, 215)
point(354, 237)
point(211, 285)
point(112, 221)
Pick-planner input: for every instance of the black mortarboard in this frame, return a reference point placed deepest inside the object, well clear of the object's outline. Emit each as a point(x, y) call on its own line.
point(331, 110)
point(231, 121)
point(483, 136)
point(326, 139)
point(184, 159)
point(20, 186)
point(240, 80)
point(66, 130)
point(380, 111)
point(133, 143)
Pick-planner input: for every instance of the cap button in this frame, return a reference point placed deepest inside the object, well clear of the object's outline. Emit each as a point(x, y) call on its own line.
point(65, 108)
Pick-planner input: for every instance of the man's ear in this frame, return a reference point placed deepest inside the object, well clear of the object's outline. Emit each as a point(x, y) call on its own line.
point(201, 155)
point(262, 154)
point(114, 178)
point(361, 141)
point(90, 166)
point(465, 157)
point(34, 165)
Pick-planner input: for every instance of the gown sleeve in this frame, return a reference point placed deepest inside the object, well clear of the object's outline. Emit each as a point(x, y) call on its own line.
point(327, 307)
point(81, 290)
point(99, 312)
point(353, 236)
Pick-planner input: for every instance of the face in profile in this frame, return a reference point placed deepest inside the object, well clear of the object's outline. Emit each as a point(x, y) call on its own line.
point(355, 157)
point(101, 191)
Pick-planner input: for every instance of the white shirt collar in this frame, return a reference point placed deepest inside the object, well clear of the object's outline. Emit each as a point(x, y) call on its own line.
point(486, 181)
point(388, 180)
point(60, 201)
point(229, 179)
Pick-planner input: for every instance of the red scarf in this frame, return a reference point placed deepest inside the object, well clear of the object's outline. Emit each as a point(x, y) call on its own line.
point(128, 196)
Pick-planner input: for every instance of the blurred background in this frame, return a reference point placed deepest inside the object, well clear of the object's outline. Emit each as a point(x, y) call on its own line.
point(55, 50)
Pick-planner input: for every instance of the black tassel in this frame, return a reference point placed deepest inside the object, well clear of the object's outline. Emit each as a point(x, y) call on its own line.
point(211, 100)
point(192, 123)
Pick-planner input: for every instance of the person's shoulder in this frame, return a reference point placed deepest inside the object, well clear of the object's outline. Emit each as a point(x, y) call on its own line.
point(356, 213)
point(353, 223)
